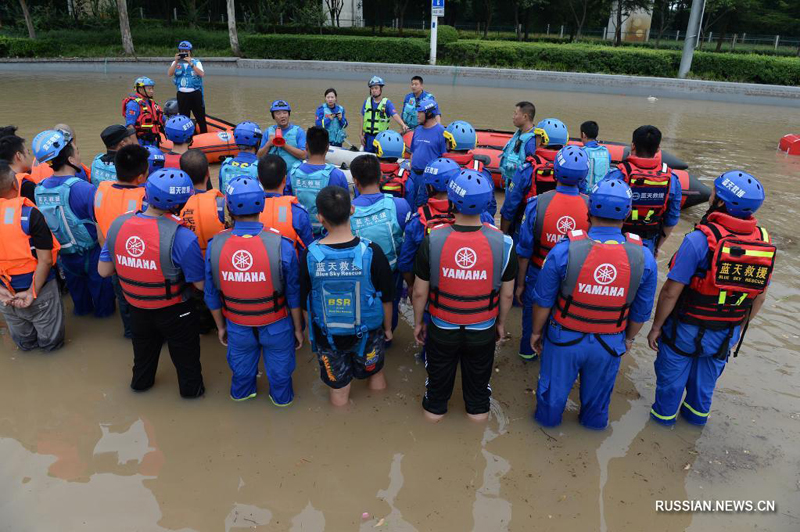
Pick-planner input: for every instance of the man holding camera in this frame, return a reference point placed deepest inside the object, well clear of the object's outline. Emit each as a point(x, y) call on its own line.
point(188, 76)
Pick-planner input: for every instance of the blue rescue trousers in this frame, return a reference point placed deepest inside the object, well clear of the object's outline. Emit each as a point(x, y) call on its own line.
point(245, 347)
point(90, 292)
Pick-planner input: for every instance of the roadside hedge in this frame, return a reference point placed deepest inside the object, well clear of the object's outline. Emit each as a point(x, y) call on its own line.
point(338, 48)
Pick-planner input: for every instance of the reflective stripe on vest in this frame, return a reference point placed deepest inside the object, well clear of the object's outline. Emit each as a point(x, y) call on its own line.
point(650, 190)
point(556, 215)
point(600, 285)
point(141, 248)
point(148, 123)
point(278, 215)
point(375, 118)
point(111, 201)
point(394, 182)
point(543, 177)
point(466, 274)
point(201, 215)
point(246, 270)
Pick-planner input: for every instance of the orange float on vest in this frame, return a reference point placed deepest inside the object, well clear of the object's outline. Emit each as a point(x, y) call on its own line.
point(742, 261)
point(172, 160)
point(112, 201)
point(247, 272)
point(600, 285)
point(148, 123)
point(23, 177)
point(141, 248)
point(277, 214)
point(466, 274)
point(201, 215)
point(649, 180)
point(556, 215)
point(16, 256)
point(543, 178)
point(42, 171)
point(790, 144)
point(394, 179)
point(435, 212)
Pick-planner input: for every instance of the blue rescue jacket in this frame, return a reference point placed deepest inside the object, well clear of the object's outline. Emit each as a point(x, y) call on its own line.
point(599, 165)
point(290, 136)
point(243, 164)
point(306, 187)
point(185, 78)
point(63, 222)
point(513, 155)
point(378, 223)
point(103, 171)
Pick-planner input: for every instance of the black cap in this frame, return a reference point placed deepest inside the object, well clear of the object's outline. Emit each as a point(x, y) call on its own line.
point(113, 135)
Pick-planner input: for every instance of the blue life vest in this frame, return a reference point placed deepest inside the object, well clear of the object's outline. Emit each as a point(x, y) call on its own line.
point(306, 187)
point(63, 222)
point(233, 167)
point(410, 108)
point(378, 223)
point(290, 136)
point(336, 133)
point(599, 164)
point(343, 300)
point(513, 156)
point(185, 78)
point(102, 171)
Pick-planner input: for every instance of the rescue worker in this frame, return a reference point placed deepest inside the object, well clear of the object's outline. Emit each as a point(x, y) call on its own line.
point(522, 144)
point(412, 99)
point(428, 143)
point(41, 171)
point(247, 136)
point(253, 292)
point(282, 213)
point(67, 203)
point(535, 176)
point(187, 73)
point(716, 285)
point(656, 190)
point(548, 218)
point(114, 137)
point(599, 157)
point(379, 217)
point(204, 212)
point(376, 113)
point(390, 149)
point(308, 178)
point(29, 297)
point(142, 113)
point(179, 130)
point(437, 211)
point(115, 198)
point(594, 293)
point(155, 159)
point(347, 291)
point(14, 151)
point(465, 278)
point(331, 116)
point(461, 141)
point(157, 259)
point(284, 138)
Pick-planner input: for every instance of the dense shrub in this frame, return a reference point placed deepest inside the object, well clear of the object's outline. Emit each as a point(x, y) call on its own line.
point(446, 35)
point(326, 48)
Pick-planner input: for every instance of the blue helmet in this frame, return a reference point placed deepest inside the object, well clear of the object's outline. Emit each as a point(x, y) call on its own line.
point(553, 131)
point(470, 192)
point(185, 45)
point(168, 189)
point(48, 144)
point(247, 134)
point(440, 172)
point(388, 145)
point(571, 165)
point(610, 198)
point(280, 105)
point(427, 106)
point(463, 134)
point(155, 161)
point(741, 193)
point(179, 129)
point(244, 195)
point(143, 81)
point(375, 80)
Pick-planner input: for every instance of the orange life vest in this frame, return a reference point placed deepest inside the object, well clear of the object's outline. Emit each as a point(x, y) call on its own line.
point(556, 215)
point(466, 274)
point(277, 214)
point(247, 272)
point(465, 160)
point(149, 122)
point(42, 171)
point(394, 179)
point(17, 257)
point(435, 212)
point(649, 180)
point(201, 215)
point(543, 178)
point(172, 160)
point(23, 177)
point(600, 285)
point(111, 202)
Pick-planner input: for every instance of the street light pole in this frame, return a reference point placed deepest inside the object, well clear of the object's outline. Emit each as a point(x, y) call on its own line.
point(691, 37)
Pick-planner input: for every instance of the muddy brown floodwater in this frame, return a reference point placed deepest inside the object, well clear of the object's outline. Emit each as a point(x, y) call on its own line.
point(81, 451)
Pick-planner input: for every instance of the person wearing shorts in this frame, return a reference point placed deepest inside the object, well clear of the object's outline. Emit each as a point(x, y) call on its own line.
point(346, 288)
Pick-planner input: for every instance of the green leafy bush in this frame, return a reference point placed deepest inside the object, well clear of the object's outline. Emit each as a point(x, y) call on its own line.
point(446, 35)
point(338, 48)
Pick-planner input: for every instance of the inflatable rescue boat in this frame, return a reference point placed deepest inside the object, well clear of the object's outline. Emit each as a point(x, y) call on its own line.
point(217, 144)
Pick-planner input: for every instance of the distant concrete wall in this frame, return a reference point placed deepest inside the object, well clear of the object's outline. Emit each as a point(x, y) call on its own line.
point(749, 93)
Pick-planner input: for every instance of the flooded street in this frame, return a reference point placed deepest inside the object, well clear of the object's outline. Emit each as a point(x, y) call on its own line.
point(81, 451)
